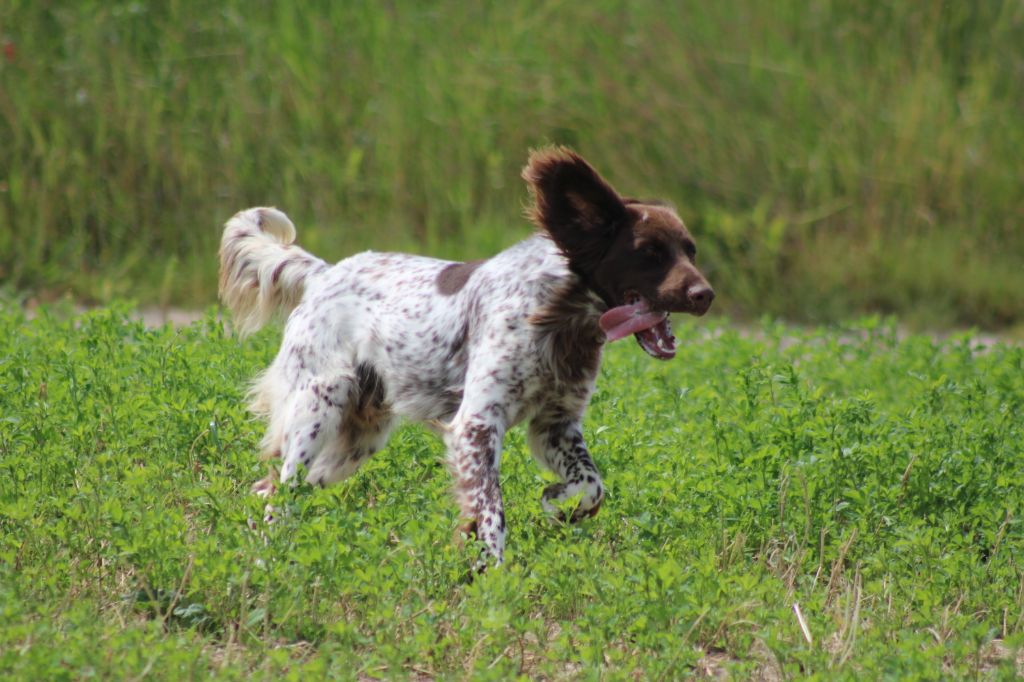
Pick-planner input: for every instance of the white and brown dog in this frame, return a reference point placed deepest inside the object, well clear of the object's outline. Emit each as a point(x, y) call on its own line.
point(471, 348)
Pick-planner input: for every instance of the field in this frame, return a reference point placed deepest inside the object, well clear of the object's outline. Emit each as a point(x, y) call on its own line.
point(817, 499)
point(870, 482)
point(831, 157)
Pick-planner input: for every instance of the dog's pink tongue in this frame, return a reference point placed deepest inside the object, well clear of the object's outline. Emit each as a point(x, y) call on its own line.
point(624, 320)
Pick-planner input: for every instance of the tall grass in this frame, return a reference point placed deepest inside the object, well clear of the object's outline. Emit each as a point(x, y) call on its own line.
point(831, 157)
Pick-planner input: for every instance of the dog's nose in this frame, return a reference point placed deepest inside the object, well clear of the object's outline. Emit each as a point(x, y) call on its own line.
point(700, 296)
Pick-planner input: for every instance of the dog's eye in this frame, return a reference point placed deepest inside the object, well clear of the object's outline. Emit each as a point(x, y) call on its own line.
point(691, 251)
point(654, 251)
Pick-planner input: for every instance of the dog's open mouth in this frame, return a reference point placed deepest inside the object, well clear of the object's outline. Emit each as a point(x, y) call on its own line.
point(651, 327)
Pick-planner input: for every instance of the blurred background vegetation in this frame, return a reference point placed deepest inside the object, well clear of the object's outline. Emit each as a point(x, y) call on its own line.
point(831, 157)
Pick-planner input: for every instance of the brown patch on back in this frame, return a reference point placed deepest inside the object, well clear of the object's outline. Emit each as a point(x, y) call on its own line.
point(451, 280)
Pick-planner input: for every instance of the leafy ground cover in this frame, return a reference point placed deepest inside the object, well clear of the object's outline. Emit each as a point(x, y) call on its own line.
point(868, 484)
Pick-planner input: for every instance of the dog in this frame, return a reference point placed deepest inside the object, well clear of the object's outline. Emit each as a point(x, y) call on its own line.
point(470, 349)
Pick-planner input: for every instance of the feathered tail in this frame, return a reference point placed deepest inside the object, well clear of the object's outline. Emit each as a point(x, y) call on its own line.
point(261, 272)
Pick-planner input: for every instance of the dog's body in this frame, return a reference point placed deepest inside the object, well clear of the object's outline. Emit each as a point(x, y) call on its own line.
point(469, 348)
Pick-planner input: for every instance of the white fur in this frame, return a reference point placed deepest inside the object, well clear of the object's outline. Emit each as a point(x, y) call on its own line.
point(374, 339)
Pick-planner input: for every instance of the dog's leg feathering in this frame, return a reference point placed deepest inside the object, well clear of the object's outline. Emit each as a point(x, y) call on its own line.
point(312, 436)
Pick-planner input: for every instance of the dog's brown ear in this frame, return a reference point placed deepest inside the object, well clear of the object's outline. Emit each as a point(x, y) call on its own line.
point(573, 204)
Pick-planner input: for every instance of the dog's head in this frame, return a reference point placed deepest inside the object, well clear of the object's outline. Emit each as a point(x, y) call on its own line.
point(636, 255)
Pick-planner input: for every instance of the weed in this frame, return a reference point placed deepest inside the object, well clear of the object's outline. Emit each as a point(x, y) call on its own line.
point(835, 502)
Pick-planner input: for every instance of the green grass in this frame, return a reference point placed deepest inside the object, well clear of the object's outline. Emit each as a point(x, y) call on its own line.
point(871, 479)
point(831, 157)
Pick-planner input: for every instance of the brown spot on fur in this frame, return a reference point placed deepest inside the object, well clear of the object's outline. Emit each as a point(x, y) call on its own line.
point(459, 344)
point(276, 275)
point(370, 410)
point(453, 277)
point(480, 437)
point(372, 391)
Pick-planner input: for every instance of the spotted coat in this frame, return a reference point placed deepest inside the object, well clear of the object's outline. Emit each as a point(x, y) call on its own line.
point(470, 349)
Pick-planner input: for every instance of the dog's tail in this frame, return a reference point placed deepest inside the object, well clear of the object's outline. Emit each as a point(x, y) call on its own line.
point(261, 272)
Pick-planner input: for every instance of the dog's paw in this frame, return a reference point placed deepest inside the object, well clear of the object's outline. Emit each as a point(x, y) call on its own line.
point(265, 487)
point(563, 508)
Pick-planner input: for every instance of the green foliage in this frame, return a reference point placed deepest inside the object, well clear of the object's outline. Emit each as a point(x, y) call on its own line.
point(873, 480)
point(831, 157)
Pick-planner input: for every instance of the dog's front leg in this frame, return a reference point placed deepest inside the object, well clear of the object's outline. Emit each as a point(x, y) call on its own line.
point(557, 444)
point(474, 452)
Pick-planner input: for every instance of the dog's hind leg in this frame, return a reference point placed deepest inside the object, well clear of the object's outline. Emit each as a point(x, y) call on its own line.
point(311, 427)
point(329, 427)
point(333, 425)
